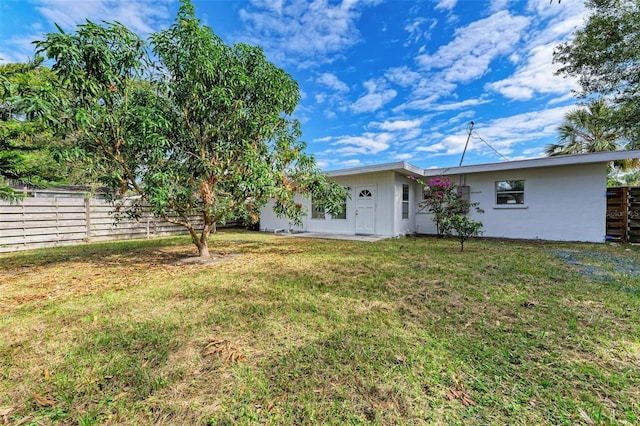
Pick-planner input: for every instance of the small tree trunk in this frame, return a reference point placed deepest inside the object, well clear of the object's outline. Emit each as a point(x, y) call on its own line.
point(202, 243)
point(203, 249)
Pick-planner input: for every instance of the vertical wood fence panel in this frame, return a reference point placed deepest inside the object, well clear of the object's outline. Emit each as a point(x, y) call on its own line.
point(36, 222)
point(623, 214)
point(634, 215)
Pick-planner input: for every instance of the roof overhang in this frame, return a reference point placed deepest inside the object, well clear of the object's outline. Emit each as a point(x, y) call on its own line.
point(401, 167)
point(556, 161)
point(407, 169)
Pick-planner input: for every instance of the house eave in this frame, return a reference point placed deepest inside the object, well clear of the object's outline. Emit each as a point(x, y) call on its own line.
point(408, 169)
point(401, 167)
point(561, 160)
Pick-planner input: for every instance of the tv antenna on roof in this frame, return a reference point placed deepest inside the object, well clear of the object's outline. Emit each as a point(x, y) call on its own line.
point(467, 144)
point(485, 142)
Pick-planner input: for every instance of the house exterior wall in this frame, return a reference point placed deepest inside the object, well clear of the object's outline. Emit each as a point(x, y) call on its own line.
point(563, 203)
point(383, 184)
point(270, 222)
point(408, 225)
point(560, 203)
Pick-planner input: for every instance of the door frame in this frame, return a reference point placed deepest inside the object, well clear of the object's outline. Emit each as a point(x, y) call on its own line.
point(371, 209)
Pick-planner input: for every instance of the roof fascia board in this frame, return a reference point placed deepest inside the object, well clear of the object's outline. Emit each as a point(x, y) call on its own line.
point(400, 167)
point(560, 160)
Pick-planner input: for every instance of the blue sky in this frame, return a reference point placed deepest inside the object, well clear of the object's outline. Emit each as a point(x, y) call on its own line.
point(381, 81)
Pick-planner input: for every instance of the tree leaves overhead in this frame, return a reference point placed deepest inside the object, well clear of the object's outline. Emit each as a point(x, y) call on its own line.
point(29, 149)
point(586, 130)
point(605, 57)
point(592, 129)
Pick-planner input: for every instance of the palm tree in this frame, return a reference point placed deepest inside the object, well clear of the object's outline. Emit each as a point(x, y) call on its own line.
point(591, 130)
point(586, 130)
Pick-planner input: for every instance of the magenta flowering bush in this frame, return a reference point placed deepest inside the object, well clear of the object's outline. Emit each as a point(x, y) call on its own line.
point(443, 201)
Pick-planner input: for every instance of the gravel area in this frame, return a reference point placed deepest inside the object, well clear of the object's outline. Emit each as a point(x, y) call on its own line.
point(602, 267)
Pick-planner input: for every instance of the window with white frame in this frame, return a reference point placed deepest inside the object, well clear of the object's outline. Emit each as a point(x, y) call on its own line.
point(510, 192)
point(405, 201)
point(317, 211)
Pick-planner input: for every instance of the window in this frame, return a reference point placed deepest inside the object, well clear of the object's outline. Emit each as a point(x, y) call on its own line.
point(342, 215)
point(317, 212)
point(405, 201)
point(510, 192)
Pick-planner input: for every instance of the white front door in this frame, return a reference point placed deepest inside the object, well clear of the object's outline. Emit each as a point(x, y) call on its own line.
point(365, 209)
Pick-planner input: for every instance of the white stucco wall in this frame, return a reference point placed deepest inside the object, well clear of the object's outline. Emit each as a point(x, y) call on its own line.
point(566, 203)
point(270, 222)
point(561, 203)
point(384, 219)
point(404, 226)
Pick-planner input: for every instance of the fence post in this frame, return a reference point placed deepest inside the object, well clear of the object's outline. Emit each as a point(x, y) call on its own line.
point(87, 216)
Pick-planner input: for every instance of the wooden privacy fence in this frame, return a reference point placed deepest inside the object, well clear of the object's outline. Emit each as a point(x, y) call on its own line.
point(623, 214)
point(55, 219)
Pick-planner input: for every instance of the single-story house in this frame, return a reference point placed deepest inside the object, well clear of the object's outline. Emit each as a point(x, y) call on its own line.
point(559, 198)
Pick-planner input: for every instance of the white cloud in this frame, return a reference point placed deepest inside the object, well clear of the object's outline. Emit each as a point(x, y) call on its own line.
point(305, 33)
point(402, 76)
point(397, 125)
point(403, 157)
point(460, 105)
point(366, 144)
point(466, 115)
point(377, 96)
point(351, 163)
point(322, 164)
point(140, 16)
point(333, 82)
point(470, 53)
point(21, 48)
point(524, 127)
point(446, 4)
point(504, 134)
point(417, 31)
point(497, 5)
point(433, 104)
point(331, 115)
point(556, 10)
point(534, 74)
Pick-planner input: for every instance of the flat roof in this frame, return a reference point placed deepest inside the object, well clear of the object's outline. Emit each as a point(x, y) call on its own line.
point(400, 167)
point(560, 160)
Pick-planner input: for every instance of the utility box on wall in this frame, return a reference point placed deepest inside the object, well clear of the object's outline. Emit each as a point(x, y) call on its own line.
point(464, 192)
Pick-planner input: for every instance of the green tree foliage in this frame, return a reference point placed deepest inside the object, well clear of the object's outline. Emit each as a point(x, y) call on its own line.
point(592, 129)
point(624, 179)
point(28, 100)
point(202, 135)
point(462, 227)
point(605, 57)
point(586, 130)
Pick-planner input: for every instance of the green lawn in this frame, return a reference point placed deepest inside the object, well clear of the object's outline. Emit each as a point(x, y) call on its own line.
point(297, 331)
